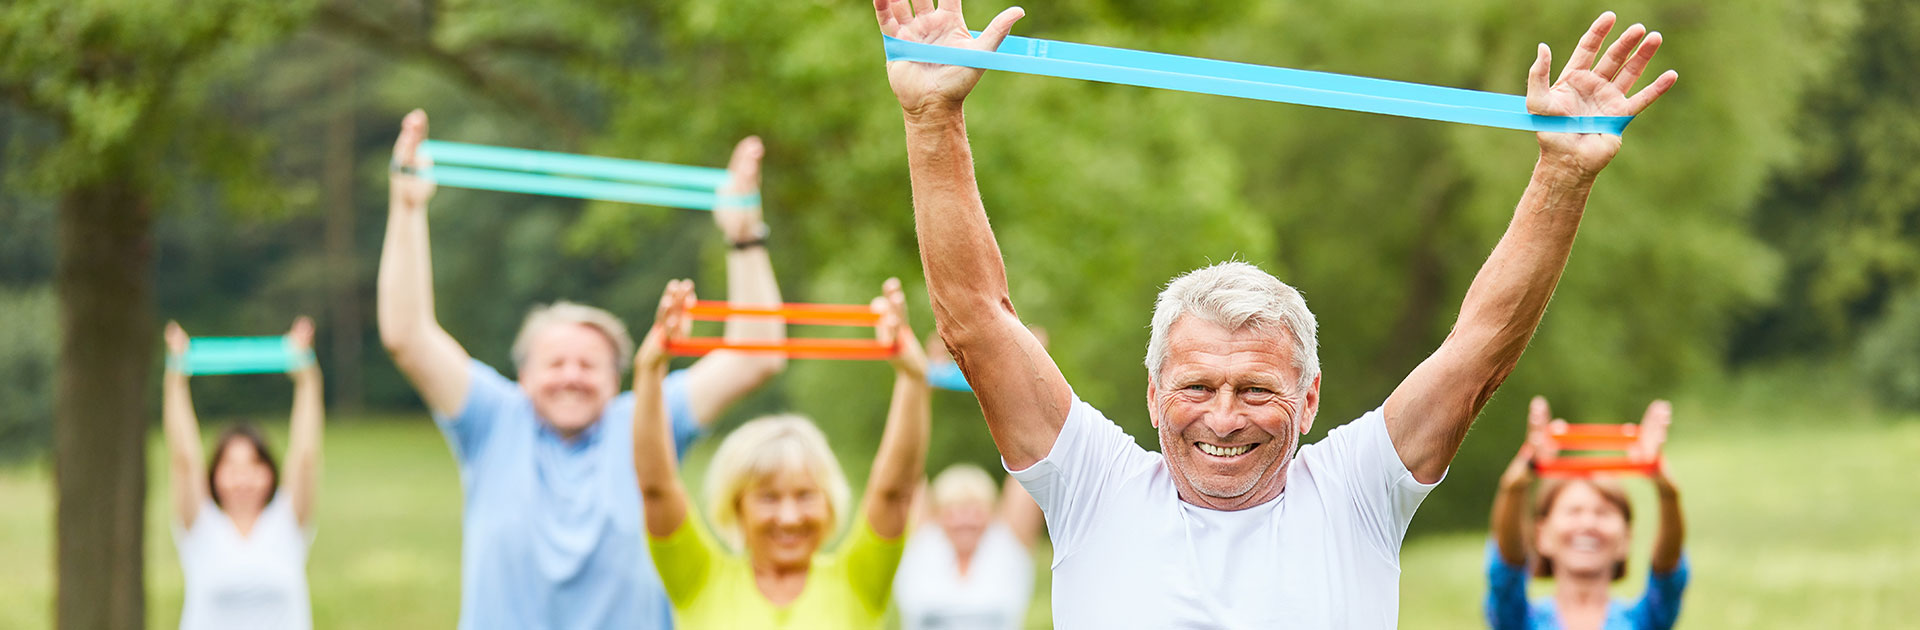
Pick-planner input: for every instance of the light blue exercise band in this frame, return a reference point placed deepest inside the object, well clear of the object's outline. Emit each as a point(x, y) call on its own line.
point(948, 376)
point(509, 181)
point(552, 163)
point(506, 169)
point(240, 355)
point(1282, 85)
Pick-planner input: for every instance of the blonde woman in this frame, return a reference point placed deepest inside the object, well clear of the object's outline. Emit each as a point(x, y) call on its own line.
point(776, 493)
point(241, 527)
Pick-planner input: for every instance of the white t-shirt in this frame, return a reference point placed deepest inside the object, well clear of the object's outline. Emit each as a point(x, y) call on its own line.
point(245, 582)
point(1128, 553)
point(993, 595)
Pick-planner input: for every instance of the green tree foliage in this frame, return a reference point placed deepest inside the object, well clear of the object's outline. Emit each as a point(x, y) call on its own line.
point(1846, 218)
point(1099, 194)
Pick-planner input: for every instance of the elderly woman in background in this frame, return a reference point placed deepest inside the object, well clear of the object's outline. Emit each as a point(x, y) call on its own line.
point(972, 567)
point(1580, 538)
point(776, 493)
point(242, 529)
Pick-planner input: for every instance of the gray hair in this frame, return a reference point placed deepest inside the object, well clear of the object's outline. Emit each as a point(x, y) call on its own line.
point(564, 312)
point(1233, 295)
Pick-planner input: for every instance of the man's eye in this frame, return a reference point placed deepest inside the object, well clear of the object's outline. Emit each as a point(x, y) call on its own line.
point(1197, 388)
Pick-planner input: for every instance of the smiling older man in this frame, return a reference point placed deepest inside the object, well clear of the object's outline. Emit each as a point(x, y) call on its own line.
point(552, 533)
point(1227, 526)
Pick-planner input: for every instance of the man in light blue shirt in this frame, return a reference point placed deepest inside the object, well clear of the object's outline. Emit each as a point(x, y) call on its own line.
point(552, 534)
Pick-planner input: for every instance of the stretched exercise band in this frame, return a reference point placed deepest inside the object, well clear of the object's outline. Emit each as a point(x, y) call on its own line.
point(807, 314)
point(1281, 85)
point(240, 355)
point(484, 167)
point(1592, 437)
point(946, 375)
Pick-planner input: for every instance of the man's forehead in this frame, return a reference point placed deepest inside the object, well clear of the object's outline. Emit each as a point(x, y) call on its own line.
point(1192, 335)
point(569, 337)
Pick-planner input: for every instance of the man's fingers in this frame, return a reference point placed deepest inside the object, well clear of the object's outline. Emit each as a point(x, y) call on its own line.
point(951, 5)
point(1537, 85)
point(413, 130)
point(1589, 48)
point(1637, 64)
point(883, 13)
point(1538, 413)
point(997, 30)
point(1617, 53)
point(744, 165)
point(922, 7)
point(1646, 97)
point(902, 14)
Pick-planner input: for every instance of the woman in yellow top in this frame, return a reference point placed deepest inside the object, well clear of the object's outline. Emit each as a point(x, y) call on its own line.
point(776, 492)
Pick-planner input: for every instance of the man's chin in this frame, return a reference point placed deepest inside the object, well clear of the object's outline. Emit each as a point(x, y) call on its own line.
point(570, 423)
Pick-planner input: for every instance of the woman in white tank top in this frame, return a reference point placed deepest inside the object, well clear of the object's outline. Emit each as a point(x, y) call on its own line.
point(971, 567)
point(241, 529)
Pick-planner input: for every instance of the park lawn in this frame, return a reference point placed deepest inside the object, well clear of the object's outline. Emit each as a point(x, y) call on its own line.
point(1790, 527)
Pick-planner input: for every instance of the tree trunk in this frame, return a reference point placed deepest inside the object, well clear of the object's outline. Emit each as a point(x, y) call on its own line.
point(343, 323)
point(100, 405)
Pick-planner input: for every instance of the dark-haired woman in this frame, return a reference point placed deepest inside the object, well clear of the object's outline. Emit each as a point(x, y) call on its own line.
point(1580, 538)
point(242, 528)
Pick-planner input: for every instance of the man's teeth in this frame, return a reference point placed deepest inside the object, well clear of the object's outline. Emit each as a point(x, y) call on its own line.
point(1223, 451)
point(1586, 543)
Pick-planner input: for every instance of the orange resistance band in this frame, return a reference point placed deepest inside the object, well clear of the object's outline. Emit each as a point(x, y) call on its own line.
point(806, 314)
point(1593, 437)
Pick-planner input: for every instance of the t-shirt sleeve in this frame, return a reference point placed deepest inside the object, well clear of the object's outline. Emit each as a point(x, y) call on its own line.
point(871, 564)
point(1506, 592)
point(685, 560)
point(490, 397)
point(1090, 453)
point(1659, 606)
point(1359, 456)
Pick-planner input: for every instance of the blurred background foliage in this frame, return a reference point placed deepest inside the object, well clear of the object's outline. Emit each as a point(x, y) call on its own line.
point(1761, 220)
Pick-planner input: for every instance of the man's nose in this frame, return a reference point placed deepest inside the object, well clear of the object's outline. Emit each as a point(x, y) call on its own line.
point(1224, 414)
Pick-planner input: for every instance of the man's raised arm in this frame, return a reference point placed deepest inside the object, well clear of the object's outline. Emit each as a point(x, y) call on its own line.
point(1021, 391)
point(1428, 414)
point(425, 353)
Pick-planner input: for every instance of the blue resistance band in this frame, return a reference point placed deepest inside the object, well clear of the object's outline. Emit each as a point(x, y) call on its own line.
point(505, 169)
point(240, 355)
point(1281, 85)
point(947, 376)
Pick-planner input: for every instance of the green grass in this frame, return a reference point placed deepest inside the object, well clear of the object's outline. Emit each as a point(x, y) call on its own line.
point(1790, 526)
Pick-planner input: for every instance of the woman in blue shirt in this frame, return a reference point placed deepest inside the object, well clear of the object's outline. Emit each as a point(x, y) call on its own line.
point(1580, 538)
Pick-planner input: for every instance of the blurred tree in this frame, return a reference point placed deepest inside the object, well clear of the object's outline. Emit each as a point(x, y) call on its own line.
point(1846, 217)
point(121, 83)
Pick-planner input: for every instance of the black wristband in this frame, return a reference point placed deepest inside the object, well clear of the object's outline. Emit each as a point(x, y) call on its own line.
point(751, 243)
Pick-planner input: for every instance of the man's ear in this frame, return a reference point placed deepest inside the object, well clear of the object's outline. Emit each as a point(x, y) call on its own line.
point(1153, 394)
point(1309, 408)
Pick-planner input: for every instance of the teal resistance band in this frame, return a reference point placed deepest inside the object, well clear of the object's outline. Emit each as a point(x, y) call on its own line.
point(483, 167)
point(947, 376)
point(1282, 85)
point(240, 355)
